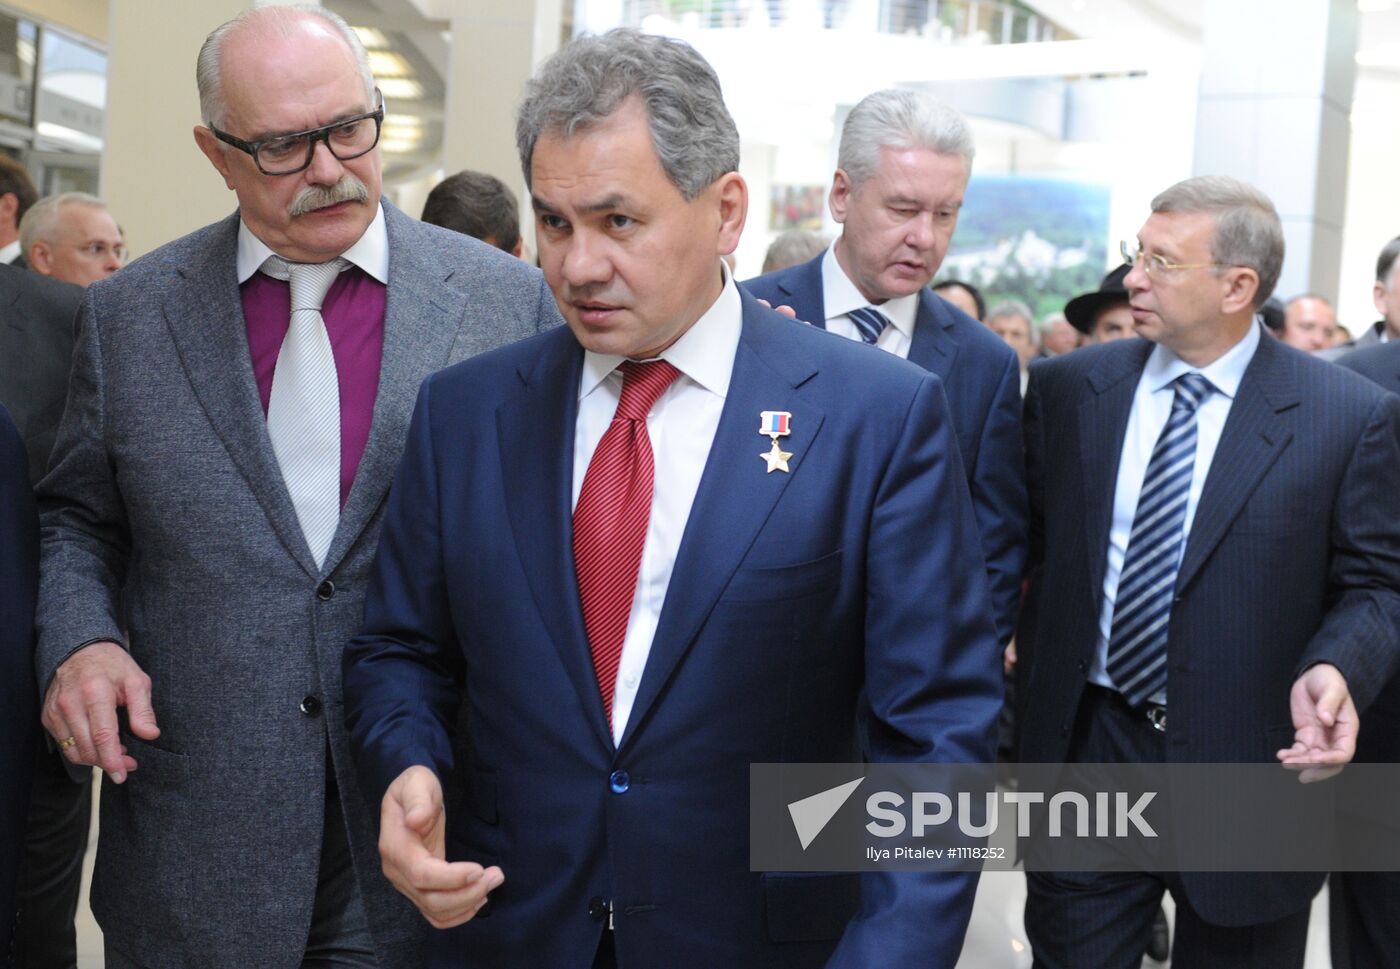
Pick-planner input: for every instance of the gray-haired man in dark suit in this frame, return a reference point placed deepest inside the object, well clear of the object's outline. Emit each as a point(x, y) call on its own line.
point(1211, 510)
point(214, 503)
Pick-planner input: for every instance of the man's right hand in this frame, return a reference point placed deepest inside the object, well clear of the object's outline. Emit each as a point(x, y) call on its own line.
point(412, 844)
point(80, 708)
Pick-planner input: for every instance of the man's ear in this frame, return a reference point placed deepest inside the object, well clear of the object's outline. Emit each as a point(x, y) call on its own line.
point(839, 199)
point(732, 196)
point(213, 150)
point(40, 258)
point(1241, 283)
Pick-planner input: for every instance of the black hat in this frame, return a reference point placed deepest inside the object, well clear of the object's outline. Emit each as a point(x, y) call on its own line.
point(1081, 310)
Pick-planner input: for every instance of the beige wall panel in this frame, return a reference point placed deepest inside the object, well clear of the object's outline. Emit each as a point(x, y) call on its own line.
point(155, 180)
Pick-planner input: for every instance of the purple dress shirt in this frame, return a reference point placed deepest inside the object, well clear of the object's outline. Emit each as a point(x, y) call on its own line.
point(354, 313)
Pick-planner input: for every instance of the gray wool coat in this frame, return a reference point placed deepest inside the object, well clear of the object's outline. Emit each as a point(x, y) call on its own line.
point(167, 527)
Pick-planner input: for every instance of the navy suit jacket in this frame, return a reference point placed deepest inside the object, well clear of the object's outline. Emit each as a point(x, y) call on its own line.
point(850, 589)
point(1380, 740)
point(19, 715)
point(982, 380)
point(1293, 559)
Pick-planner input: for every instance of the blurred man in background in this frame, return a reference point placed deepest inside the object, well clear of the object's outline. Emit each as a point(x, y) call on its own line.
point(72, 237)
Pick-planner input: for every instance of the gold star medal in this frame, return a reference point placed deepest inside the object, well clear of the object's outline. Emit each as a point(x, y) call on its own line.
point(775, 424)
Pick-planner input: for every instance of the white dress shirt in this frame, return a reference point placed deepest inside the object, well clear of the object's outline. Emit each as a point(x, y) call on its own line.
point(370, 252)
point(1152, 405)
point(9, 253)
point(681, 427)
point(841, 296)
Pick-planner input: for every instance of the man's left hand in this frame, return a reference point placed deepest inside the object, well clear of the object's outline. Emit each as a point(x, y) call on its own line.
point(1325, 724)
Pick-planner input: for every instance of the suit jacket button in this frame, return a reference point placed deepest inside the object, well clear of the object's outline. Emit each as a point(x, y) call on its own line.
point(597, 908)
point(325, 591)
point(310, 705)
point(619, 781)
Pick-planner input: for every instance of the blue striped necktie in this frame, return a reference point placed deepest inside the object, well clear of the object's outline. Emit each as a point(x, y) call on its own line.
point(870, 323)
point(1137, 643)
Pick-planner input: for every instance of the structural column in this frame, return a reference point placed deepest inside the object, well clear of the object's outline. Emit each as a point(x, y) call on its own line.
point(495, 49)
point(1275, 110)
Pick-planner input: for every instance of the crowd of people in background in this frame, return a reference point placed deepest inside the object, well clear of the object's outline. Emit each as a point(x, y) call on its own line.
point(213, 449)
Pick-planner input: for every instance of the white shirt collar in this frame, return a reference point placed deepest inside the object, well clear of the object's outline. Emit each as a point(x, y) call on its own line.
point(841, 296)
point(704, 353)
point(9, 252)
point(370, 252)
point(1225, 374)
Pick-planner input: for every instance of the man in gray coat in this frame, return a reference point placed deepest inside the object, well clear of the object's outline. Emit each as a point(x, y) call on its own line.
point(213, 506)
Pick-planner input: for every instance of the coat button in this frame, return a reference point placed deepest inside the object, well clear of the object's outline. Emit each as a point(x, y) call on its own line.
point(325, 591)
point(619, 781)
point(310, 705)
point(597, 908)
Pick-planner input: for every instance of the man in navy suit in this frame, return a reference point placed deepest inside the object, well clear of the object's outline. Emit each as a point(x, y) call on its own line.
point(903, 167)
point(1365, 931)
point(19, 713)
point(1214, 515)
point(658, 546)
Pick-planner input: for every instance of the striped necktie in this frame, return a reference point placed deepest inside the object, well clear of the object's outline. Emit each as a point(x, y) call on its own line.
point(303, 410)
point(870, 323)
point(1137, 643)
point(611, 517)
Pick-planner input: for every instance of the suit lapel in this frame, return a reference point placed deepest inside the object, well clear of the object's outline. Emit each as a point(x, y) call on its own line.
point(421, 319)
point(535, 432)
point(933, 347)
point(802, 287)
point(734, 490)
point(1252, 439)
point(205, 318)
point(1103, 423)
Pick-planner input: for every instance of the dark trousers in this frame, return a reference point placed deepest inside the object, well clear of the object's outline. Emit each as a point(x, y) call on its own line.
point(1093, 920)
point(607, 953)
point(1365, 919)
point(51, 866)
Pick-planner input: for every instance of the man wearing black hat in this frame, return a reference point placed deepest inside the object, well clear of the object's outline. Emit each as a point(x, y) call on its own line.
point(1104, 315)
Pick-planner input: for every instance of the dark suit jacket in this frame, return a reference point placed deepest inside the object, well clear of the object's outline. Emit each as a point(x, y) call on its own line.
point(981, 378)
point(36, 353)
point(19, 716)
point(1380, 739)
point(1293, 559)
point(799, 602)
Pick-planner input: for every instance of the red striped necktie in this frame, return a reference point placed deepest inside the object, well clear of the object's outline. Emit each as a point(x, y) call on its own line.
point(610, 519)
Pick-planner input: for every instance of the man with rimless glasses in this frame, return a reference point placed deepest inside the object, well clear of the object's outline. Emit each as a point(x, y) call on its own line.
point(1197, 606)
point(239, 402)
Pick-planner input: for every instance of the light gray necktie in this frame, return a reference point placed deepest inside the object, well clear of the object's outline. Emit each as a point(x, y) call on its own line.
point(303, 412)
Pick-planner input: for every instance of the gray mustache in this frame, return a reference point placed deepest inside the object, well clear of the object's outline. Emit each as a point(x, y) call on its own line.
point(348, 189)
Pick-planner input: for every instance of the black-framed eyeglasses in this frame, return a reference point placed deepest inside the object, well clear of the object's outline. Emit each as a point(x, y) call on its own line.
point(291, 153)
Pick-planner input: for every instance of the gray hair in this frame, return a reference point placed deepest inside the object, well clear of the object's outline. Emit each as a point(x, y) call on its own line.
point(41, 219)
point(1386, 261)
point(695, 139)
point(1247, 228)
point(207, 73)
point(792, 247)
point(900, 119)
point(1012, 307)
